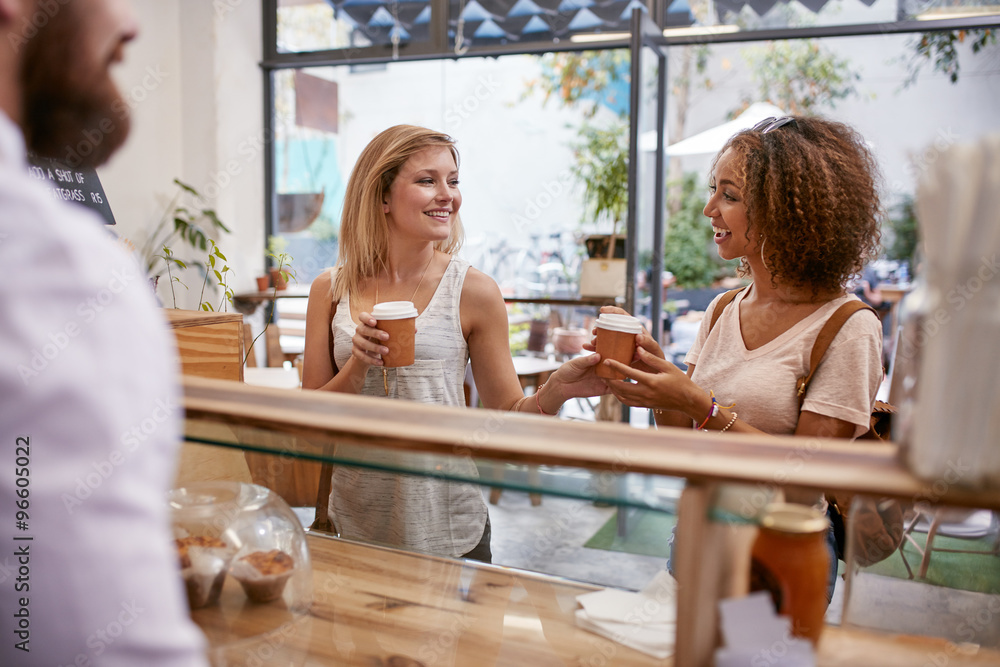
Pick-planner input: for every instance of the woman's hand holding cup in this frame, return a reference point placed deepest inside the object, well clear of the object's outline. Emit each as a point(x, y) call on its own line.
point(367, 344)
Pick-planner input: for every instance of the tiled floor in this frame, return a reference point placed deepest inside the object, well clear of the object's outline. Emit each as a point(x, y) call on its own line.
point(549, 538)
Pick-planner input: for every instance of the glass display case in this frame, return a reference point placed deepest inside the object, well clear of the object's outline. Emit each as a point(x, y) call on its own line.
point(375, 602)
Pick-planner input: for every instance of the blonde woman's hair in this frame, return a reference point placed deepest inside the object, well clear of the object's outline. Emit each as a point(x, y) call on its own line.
point(364, 231)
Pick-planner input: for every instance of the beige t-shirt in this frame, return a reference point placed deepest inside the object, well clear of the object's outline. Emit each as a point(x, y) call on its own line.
point(762, 382)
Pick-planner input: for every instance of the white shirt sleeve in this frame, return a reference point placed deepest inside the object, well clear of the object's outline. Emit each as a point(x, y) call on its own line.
point(89, 434)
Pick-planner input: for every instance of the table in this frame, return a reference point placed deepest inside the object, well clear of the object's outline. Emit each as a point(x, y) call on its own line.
point(596, 301)
point(378, 606)
point(248, 302)
point(893, 294)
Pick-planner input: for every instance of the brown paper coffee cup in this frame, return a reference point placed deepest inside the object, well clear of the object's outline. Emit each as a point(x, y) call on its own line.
point(616, 340)
point(399, 320)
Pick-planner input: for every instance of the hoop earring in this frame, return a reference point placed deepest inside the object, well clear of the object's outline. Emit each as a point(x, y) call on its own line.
point(764, 261)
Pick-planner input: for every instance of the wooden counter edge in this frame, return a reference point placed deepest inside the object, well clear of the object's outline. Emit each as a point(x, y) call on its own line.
point(731, 457)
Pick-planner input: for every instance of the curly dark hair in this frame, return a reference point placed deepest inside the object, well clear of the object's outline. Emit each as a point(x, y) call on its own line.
point(811, 193)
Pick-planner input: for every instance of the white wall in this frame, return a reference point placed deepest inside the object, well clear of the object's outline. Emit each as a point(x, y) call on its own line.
point(907, 128)
point(194, 83)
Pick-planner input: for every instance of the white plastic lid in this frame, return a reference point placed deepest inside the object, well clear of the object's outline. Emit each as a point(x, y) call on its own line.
point(624, 323)
point(394, 310)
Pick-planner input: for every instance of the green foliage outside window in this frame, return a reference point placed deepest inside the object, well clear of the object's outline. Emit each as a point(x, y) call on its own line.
point(903, 232)
point(601, 165)
point(941, 49)
point(689, 252)
point(800, 76)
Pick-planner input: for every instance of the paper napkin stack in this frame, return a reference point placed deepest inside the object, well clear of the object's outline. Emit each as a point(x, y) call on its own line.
point(645, 621)
point(755, 635)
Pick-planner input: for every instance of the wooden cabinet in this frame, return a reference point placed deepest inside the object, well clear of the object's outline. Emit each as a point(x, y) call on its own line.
point(314, 425)
point(209, 345)
point(212, 345)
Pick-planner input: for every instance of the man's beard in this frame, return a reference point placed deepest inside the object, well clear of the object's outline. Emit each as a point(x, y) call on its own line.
point(71, 109)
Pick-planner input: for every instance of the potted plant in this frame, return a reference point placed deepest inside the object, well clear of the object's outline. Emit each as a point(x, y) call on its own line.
point(601, 165)
point(281, 272)
point(185, 221)
point(281, 269)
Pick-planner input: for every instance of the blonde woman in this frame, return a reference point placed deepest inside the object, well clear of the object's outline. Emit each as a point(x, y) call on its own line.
point(400, 232)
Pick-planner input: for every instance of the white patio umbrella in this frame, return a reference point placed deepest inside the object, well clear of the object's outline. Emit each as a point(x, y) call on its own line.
point(712, 139)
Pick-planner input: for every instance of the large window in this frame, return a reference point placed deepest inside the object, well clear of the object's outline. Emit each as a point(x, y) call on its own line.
point(340, 72)
point(522, 204)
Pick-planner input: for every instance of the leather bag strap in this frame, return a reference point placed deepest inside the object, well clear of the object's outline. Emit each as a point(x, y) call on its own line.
point(823, 340)
point(724, 300)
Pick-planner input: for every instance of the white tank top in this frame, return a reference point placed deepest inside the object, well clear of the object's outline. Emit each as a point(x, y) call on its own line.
point(418, 513)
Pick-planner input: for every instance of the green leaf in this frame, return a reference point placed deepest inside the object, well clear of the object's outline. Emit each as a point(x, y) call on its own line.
point(210, 214)
point(186, 187)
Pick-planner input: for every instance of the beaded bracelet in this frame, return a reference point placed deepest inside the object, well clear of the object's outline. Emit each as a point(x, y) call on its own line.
point(712, 411)
point(539, 405)
point(731, 422)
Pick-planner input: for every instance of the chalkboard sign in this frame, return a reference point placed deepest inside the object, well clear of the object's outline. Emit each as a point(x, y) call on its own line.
point(73, 184)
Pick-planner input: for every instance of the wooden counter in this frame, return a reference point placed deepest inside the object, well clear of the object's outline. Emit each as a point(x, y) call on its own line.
point(375, 606)
point(400, 604)
point(208, 344)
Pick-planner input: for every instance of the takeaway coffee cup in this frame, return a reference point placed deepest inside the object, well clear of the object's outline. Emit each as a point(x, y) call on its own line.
point(398, 319)
point(616, 340)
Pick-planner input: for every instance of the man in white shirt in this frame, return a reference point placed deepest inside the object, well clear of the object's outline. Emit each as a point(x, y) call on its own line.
point(89, 401)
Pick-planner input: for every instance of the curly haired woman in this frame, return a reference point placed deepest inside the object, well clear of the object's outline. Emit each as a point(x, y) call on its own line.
point(796, 200)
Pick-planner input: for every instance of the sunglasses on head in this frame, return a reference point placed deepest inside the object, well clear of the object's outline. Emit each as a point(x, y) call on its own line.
point(772, 123)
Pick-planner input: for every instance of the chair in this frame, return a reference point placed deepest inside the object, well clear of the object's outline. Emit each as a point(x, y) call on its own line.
point(938, 518)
